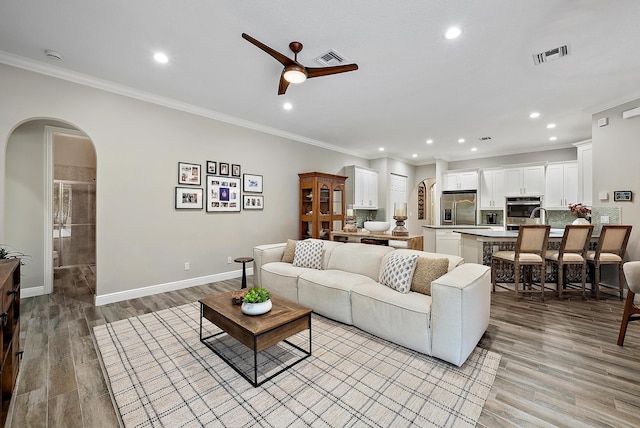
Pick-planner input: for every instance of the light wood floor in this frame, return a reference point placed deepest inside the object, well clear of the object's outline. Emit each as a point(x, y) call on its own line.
point(560, 362)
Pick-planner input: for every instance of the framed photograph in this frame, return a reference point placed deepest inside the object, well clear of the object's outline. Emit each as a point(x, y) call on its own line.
point(212, 167)
point(189, 173)
point(188, 198)
point(252, 202)
point(235, 170)
point(223, 194)
point(252, 183)
point(224, 168)
point(622, 195)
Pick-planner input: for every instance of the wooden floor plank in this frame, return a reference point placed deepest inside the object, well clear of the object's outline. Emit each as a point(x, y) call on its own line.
point(560, 363)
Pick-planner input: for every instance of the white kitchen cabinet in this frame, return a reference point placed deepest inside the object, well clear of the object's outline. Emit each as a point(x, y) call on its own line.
point(585, 173)
point(448, 242)
point(465, 180)
point(561, 185)
point(492, 189)
point(361, 187)
point(524, 181)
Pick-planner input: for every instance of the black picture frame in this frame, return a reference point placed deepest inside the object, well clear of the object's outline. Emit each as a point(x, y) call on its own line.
point(252, 202)
point(224, 169)
point(622, 195)
point(212, 167)
point(223, 194)
point(252, 183)
point(189, 198)
point(235, 170)
point(189, 173)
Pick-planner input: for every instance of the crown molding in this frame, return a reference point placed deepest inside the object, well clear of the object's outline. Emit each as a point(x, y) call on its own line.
point(108, 86)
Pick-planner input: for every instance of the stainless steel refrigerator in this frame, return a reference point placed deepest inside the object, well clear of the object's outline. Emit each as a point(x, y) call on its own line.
point(458, 207)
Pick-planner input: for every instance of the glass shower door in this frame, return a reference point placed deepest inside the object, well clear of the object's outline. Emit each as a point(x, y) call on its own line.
point(74, 223)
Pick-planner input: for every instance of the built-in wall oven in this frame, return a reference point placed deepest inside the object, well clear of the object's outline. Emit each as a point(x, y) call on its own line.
point(519, 209)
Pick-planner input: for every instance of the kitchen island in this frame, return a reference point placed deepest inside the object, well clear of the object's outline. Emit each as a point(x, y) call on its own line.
point(445, 239)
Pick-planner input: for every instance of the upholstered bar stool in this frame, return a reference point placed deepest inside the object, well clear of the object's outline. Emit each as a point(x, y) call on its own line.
point(612, 245)
point(573, 251)
point(529, 253)
point(631, 311)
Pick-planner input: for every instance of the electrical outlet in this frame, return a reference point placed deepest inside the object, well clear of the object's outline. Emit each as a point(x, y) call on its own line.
point(187, 266)
point(604, 219)
point(496, 248)
point(229, 260)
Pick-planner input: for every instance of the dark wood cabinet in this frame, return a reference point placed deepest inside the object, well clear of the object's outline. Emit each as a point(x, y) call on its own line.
point(321, 204)
point(10, 331)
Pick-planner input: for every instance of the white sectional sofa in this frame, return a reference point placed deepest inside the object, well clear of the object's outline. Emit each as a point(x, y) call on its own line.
point(446, 324)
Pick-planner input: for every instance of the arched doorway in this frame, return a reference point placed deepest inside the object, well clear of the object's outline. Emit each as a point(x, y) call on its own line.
point(50, 200)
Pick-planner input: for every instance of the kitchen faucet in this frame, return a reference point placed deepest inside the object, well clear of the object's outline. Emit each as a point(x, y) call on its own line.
point(546, 216)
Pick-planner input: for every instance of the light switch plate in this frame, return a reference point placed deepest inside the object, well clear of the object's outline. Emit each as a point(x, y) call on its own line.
point(603, 196)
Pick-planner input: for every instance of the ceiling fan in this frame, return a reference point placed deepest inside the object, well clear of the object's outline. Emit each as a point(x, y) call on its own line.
point(293, 71)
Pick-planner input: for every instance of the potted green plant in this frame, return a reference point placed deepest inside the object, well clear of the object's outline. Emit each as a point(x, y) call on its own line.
point(7, 254)
point(257, 301)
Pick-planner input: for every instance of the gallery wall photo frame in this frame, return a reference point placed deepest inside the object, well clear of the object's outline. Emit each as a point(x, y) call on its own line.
point(189, 173)
point(212, 167)
point(188, 198)
point(252, 202)
point(223, 194)
point(252, 183)
point(622, 195)
point(224, 168)
point(235, 170)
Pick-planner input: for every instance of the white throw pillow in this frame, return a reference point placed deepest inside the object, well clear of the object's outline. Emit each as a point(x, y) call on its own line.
point(308, 254)
point(398, 272)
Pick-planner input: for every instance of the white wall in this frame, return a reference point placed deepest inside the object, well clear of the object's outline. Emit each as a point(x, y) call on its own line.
point(616, 166)
point(142, 240)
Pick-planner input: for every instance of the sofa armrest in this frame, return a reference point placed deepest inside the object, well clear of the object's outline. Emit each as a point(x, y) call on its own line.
point(460, 309)
point(264, 254)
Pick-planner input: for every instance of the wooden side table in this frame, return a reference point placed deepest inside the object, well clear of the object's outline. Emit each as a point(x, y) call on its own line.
point(244, 261)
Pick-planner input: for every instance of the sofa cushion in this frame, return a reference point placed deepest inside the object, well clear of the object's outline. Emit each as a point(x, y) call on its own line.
point(400, 318)
point(289, 251)
point(282, 279)
point(308, 254)
point(428, 270)
point(363, 259)
point(398, 272)
point(328, 292)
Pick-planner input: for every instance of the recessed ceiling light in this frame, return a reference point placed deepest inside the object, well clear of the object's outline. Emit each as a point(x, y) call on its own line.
point(461, 140)
point(452, 33)
point(553, 138)
point(161, 57)
point(381, 149)
point(474, 149)
point(534, 115)
point(415, 155)
point(287, 106)
point(429, 141)
point(551, 126)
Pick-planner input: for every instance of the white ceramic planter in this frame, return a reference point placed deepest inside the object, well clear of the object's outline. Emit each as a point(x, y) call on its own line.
point(581, 220)
point(256, 308)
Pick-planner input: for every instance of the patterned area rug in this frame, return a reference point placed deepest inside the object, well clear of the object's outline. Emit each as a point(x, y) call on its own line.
point(161, 375)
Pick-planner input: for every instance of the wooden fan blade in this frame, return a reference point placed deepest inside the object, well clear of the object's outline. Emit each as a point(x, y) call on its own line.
point(326, 71)
point(284, 84)
point(284, 60)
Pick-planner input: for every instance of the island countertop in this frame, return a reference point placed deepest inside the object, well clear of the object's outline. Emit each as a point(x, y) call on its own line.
point(503, 234)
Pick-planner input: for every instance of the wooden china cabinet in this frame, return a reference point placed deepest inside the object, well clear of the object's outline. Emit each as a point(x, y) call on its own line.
point(321, 204)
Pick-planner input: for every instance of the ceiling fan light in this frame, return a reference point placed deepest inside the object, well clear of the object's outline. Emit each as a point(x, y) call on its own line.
point(295, 74)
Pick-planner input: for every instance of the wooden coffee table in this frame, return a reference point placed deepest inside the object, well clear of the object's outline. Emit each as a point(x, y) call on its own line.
point(255, 332)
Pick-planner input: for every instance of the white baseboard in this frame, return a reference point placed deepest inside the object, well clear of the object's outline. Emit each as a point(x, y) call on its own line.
point(31, 291)
point(169, 286)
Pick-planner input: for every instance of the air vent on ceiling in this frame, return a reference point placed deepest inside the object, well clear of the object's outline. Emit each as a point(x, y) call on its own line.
point(551, 54)
point(330, 58)
point(484, 138)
